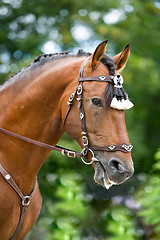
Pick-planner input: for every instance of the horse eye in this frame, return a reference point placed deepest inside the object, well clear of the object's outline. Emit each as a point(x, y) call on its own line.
point(97, 102)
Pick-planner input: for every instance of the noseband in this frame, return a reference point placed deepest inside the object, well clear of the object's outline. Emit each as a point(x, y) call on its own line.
point(123, 147)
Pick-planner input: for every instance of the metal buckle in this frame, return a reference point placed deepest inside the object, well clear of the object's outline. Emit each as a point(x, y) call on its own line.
point(85, 140)
point(63, 152)
point(69, 154)
point(26, 201)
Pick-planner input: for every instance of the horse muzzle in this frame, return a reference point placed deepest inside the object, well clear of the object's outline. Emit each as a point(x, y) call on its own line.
point(112, 172)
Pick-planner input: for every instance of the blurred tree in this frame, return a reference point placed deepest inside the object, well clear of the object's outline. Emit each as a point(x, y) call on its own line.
point(148, 197)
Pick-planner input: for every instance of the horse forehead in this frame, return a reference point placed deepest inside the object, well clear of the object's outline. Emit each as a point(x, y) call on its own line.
point(101, 69)
point(95, 88)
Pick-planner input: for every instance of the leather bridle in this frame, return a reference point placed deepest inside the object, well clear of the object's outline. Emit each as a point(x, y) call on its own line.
point(123, 147)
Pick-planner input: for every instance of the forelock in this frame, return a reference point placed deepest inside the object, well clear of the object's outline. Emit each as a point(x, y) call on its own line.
point(109, 63)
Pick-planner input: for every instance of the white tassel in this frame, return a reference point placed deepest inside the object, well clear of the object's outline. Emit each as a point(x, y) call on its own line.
point(117, 104)
point(121, 104)
point(124, 105)
point(129, 104)
point(114, 103)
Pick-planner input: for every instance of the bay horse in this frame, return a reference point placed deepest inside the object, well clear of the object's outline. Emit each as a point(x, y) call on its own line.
point(34, 114)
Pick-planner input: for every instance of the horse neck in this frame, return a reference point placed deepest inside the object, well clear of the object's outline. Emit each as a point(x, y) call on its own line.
point(34, 110)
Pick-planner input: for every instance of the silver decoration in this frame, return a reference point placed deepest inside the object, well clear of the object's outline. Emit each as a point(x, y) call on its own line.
point(83, 133)
point(102, 78)
point(7, 176)
point(112, 147)
point(128, 148)
point(81, 116)
point(71, 99)
point(79, 89)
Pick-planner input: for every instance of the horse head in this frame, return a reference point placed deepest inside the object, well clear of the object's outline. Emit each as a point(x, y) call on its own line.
point(104, 120)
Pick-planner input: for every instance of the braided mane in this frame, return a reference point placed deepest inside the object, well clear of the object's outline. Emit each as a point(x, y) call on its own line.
point(42, 59)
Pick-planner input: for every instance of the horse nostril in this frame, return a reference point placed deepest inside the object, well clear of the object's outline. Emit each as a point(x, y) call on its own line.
point(116, 166)
point(118, 170)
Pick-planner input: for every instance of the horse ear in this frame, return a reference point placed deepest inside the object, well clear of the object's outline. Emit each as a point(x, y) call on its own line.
point(98, 53)
point(121, 58)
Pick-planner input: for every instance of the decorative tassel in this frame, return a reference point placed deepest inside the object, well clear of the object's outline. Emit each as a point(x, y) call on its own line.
point(120, 99)
point(114, 103)
point(129, 104)
point(117, 104)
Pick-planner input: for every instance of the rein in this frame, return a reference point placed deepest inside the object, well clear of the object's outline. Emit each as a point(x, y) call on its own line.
point(123, 147)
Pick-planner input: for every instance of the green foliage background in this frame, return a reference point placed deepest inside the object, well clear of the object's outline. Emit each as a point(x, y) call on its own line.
point(73, 206)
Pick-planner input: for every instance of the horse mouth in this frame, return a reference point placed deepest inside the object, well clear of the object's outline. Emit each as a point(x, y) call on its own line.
point(101, 176)
point(107, 182)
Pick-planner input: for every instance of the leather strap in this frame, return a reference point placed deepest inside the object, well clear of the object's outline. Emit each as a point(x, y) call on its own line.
point(57, 148)
point(25, 200)
point(21, 219)
point(66, 114)
point(123, 147)
point(100, 78)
